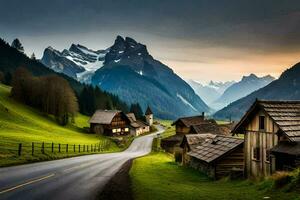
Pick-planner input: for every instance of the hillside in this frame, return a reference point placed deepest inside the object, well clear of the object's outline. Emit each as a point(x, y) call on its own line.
point(287, 87)
point(22, 124)
point(127, 70)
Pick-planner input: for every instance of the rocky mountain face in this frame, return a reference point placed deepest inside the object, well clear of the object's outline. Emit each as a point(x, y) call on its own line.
point(247, 85)
point(287, 87)
point(78, 62)
point(127, 70)
point(211, 91)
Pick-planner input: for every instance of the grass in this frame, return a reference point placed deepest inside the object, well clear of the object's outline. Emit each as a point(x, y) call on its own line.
point(22, 124)
point(169, 129)
point(157, 176)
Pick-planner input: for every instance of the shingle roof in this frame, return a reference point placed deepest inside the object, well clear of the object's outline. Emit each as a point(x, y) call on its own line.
point(287, 148)
point(286, 114)
point(103, 116)
point(131, 117)
point(207, 126)
point(189, 121)
point(194, 140)
point(211, 150)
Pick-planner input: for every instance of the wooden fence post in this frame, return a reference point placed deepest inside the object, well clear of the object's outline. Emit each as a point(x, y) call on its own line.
point(52, 147)
point(43, 148)
point(91, 148)
point(87, 146)
point(32, 148)
point(58, 148)
point(67, 148)
point(84, 148)
point(20, 149)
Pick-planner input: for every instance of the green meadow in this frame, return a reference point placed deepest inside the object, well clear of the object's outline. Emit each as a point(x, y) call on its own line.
point(22, 124)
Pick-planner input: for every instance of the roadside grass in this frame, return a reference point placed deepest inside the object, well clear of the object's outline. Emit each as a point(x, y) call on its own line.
point(22, 124)
point(157, 176)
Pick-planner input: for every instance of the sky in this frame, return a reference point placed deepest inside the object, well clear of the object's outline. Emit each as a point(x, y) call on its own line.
point(203, 40)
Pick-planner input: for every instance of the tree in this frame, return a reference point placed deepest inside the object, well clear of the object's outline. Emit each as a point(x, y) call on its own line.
point(32, 57)
point(2, 78)
point(17, 45)
point(7, 78)
point(137, 110)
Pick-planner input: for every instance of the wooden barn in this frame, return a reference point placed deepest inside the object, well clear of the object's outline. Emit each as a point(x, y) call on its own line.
point(190, 125)
point(137, 127)
point(219, 157)
point(110, 122)
point(272, 137)
point(190, 142)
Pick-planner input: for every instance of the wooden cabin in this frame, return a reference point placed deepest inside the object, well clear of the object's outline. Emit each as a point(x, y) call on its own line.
point(220, 157)
point(183, 125)
point(189, 125)
point(110, 122)
point(190, 142)
point(137, 127)
point(272, 134)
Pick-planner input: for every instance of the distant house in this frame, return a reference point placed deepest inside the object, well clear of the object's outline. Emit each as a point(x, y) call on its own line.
point(189, 125)
point(219, 157)
point(137, 127)
point(110, 122)
point(190, 142)
point(272, 137)
point(149, 116)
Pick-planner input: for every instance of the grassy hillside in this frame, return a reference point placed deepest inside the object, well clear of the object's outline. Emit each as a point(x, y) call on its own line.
point(157, 176)
point(22, 124)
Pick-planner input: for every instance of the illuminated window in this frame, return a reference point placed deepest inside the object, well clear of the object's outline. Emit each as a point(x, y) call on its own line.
point(126, 129)
point(118, 130)
point(114, 130)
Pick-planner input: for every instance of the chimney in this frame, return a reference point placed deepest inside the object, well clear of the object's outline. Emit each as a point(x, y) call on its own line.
point(203, 115)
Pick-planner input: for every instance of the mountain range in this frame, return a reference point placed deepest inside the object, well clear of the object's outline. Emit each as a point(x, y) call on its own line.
point(218, 95)
point(286, 87)
point(127, 70)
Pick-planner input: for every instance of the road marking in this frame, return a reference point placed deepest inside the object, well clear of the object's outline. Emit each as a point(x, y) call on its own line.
point(27, 183)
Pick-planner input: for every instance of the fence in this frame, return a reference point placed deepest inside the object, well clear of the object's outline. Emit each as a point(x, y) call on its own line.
point(38, 148)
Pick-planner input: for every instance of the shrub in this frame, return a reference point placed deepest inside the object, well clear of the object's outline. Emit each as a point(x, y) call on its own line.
point(281, 179)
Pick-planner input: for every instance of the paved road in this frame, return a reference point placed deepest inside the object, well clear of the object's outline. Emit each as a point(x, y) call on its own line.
point(72, 178)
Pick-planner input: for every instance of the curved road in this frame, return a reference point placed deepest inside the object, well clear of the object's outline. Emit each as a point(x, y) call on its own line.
point(80, 177)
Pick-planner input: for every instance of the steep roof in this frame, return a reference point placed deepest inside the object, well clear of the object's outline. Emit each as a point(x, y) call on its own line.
point(194, 140)
point(131, 117)
point(148, 111)
point(103, 116)
point(189, 121)
point(286, 114)
point(214, 149)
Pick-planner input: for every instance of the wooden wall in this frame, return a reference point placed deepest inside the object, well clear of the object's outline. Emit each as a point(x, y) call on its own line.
point(265, 139)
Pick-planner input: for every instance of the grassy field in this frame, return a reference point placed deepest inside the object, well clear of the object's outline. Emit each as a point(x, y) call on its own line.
point(157, 176)
point(22, 124)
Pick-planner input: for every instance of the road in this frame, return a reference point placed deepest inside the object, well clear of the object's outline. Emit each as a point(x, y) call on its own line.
point(80, 177)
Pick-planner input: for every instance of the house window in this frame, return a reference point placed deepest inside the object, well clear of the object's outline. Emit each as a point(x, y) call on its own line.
point(114, 130)
point(267, 155)
point(256, 153)
point(118, 130)
point(261, 122)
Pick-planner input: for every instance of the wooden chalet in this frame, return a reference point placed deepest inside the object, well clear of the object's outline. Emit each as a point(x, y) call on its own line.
point(110, 122)
point(137, 127)
point(272, 137)
point(189, 125)
point(219, 157)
